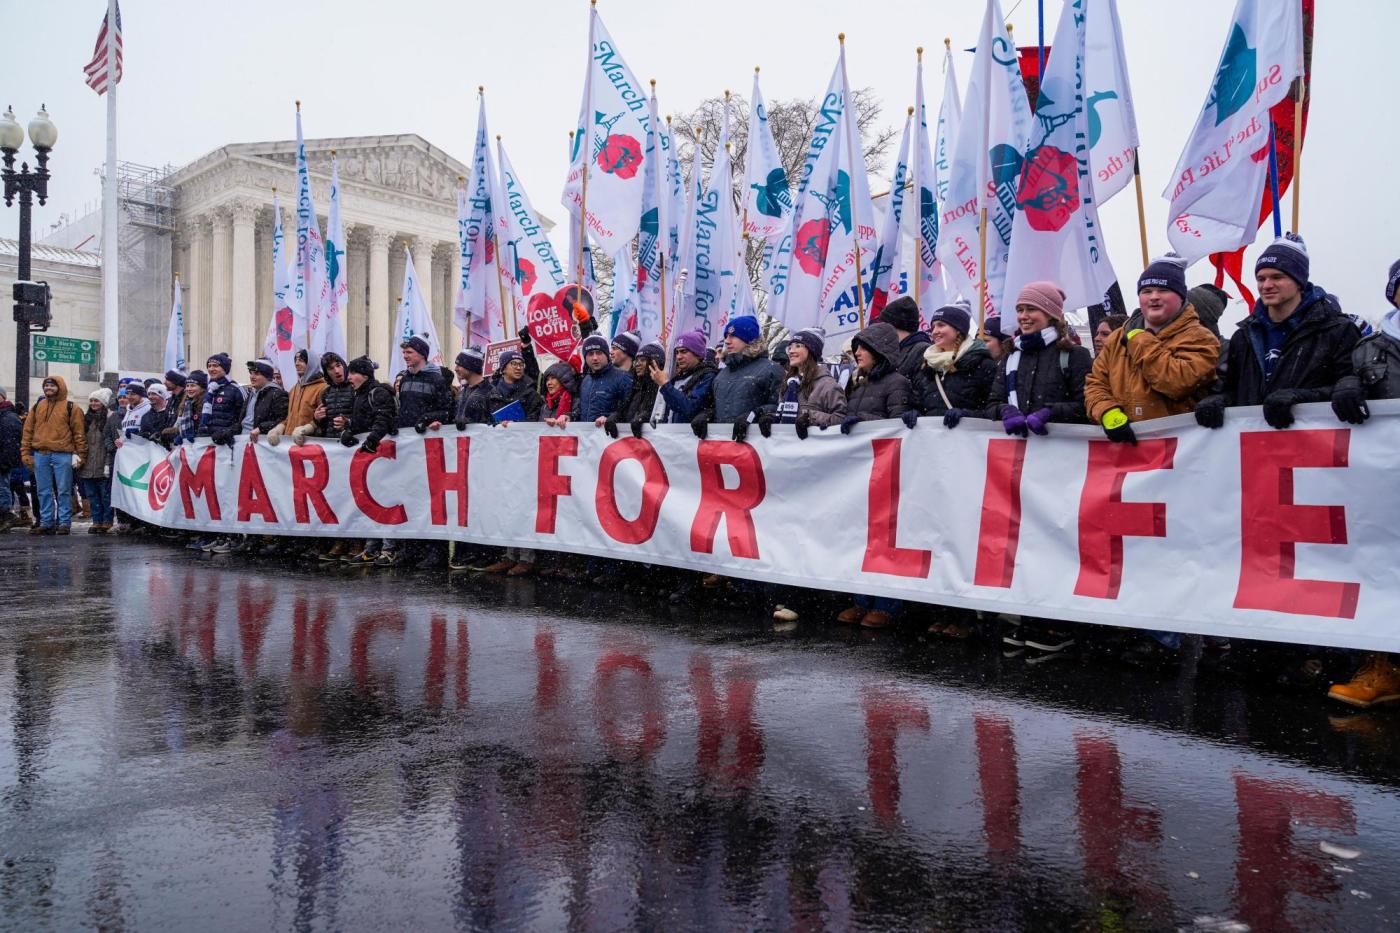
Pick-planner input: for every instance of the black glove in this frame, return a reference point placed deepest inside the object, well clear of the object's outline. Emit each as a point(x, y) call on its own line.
point(347, 437)
point(1278, 407)
point(804, 421)
point(461, 425)
point(610, 426)
point(741, 428)
point(952, 416)
point(637, 428)
point(765, 423)
point(849, 422)
point(1349, 401)
point(370, 445)
point(700, 424)
point(524, 336)
point(422, 426)
point(587, 326)
point(1123, 434)
point(1210, 411)
point(910, 418)
point(224, 437)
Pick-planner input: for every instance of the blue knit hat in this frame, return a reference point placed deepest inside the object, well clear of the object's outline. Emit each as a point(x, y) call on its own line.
point(472, 360)
point(1168, 271)
point(594, 342)
point(417, 345)
point(745, 328)
point(957, 315)
point(507, 357)
point(814, 339)
point(628, 342)
point(222, 359)
point(1392, 282)
point(1289, 255)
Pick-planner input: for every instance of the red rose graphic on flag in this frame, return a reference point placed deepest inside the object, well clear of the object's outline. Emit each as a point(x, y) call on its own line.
point(161, 482)
point(490, 249)
point(621, 155)
point(525, 275)
point(812, 240)
point(284, 328)
point(1049, 192)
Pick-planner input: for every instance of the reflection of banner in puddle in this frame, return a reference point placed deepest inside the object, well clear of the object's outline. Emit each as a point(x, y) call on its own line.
point(542, 712)
point(1247, 531)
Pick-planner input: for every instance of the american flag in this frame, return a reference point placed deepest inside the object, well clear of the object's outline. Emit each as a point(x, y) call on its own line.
point(96, 70)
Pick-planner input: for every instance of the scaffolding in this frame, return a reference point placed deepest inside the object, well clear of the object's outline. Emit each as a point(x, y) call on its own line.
point(145, 229)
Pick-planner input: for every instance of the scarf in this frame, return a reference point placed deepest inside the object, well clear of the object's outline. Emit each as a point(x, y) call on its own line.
point(208, 409)
point(131, 421)
point(561, 402)
point(1033, 342)
point(941, 361)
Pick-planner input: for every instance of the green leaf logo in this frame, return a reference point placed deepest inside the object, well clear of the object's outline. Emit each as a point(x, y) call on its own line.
point(1234, 82)
point(135, 479)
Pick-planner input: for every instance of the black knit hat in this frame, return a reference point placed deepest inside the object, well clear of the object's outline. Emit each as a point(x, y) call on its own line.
point(901, 314)
point(417, 345)
point(262, 366)
point(175, 377)
point(362, 365)
point(628, 342)
point(222, 359)
point(1289, 255)
point(472, 360)
point(957, 316)
point(1167, 271)
point(199, 377)
point(1392, 281)
point(814, 339)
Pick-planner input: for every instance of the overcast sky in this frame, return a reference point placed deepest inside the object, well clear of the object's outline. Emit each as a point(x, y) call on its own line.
point(202, 75)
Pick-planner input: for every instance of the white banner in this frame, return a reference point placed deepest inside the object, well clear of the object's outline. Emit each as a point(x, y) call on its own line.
point(1243, 532)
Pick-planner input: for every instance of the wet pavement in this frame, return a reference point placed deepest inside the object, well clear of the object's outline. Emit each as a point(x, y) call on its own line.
point(194, 742)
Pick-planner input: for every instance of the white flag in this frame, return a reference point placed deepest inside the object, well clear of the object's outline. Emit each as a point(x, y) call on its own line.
point(622, 310)
point(539, 274)
point(1219, 179)
point(767, 197)
point(836, 236)
point(888, 277)
point(991, 143)
point(685, 252)
point(933, 170)
point(655, 265)
point(717, 275)
point(286, 332)
point(949, 123)
point(1056, 234)
point(414, 320)
point(336, 277)
point(311, 290)
point(478, 311)
point(609, 144)
point(175, 334)
point(1113, 135)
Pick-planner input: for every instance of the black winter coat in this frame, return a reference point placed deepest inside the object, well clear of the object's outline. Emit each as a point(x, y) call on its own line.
point(424, 395)
point(968, 386)
point(1315, 356)
point(471, 404)
point(338, 400)
point(1041, 383)
point(884, 392)
point(154, 423)
point(225, 402)
point(502, 393)
point(749, 382)
point(11, 433)
point(911, 354)
point(374, 412)
point(640, 401)
point(270, 409)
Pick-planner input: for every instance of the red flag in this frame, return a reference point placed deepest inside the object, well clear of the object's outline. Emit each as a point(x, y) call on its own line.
point(1232, 264)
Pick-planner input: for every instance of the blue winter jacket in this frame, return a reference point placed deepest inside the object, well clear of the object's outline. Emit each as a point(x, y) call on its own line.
point(687, 396)
point(223, 408)
point(749, 382)
point(603, 392)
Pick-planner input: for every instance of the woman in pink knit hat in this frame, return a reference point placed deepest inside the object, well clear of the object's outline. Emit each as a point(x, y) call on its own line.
point(1039, 381)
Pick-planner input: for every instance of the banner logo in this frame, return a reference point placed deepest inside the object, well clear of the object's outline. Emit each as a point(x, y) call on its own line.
point(812, 240)
point(1234, 82)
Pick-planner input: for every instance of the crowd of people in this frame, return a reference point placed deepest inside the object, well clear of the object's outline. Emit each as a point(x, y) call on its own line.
point(1166, 358)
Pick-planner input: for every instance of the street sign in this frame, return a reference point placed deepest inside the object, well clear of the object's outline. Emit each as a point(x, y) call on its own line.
point(46, 348)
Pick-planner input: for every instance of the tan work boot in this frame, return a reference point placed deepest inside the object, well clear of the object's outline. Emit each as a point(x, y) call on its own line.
point(1377, 682)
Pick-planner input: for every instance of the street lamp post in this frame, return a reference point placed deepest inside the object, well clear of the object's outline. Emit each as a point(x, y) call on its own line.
point(27, 185)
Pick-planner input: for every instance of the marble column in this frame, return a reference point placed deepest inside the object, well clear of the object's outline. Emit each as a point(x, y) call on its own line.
point(220, 331)
point(243, 309)
point(377, 313)
point(423, 269)
point(357, 279)
point(200, 313)
point(262, 252)
point(398, 259)
point(442, 316)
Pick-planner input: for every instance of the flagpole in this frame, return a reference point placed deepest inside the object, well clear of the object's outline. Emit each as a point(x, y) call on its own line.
point(1142, 217)
point(850, 115)
point(1298, 146)
point(914, 178)
point(111, 258)
point(1273, 180)
point(500, 255)
point(585, 147)
point(982, 203)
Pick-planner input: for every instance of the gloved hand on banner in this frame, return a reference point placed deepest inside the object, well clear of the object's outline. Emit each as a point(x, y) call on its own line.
point(1116, 426)
point(741, 428)
point(610, 426)
point(1349, 401)
point(1013, 421)
point(347, 438)
point(1278, 407)
point(952, 416)
point(764, 420)
point(637, 428)
point(1038, 421)
point(461, 425)
point(803, 423)
point(1210, 412)
point(371, 445)
point(700, 424)
point(910, 418)
point(850, 421)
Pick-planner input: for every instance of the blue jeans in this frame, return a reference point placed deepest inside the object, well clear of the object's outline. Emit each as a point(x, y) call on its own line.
point(1170, 640)
point(53, 472)
point(890, 607)
point(98, 492)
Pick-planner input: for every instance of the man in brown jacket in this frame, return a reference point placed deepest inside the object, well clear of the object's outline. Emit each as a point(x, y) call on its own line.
point(1160, 363)
point(302, 401)
point(54, 443)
